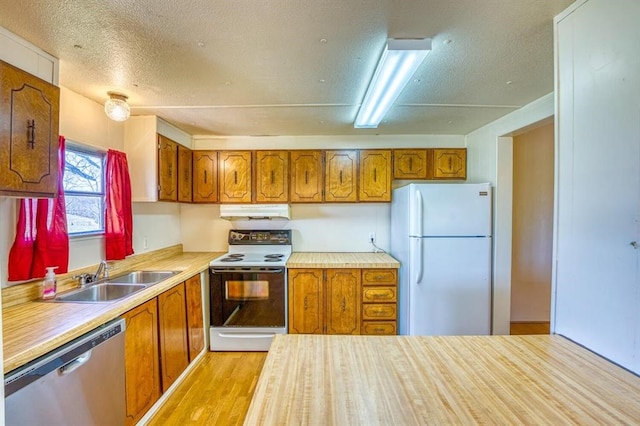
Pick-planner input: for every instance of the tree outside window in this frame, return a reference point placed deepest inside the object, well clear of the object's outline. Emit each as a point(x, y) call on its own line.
point(84, 191)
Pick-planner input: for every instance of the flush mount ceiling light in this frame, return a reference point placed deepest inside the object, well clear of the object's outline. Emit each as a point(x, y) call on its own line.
point(116, 107)
point(399, 61)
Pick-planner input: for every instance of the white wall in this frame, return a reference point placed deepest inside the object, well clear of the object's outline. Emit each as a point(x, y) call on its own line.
point(316, 227)
point(489, 153)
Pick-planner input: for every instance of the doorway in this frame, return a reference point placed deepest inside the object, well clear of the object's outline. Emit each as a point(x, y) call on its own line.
point(532, 230)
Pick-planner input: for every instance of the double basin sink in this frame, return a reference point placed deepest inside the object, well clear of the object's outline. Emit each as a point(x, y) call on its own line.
point(110, 289)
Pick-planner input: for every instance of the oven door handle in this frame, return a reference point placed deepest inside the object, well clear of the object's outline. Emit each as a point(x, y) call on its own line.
point(248, 335)
point(248, 270)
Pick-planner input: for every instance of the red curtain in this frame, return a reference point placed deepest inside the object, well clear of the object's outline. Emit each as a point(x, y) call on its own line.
point(118, 224)
point(41, 233)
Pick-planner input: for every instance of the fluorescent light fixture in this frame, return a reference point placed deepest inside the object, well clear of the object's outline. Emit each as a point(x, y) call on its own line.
point(116, 107)
point(400, 60)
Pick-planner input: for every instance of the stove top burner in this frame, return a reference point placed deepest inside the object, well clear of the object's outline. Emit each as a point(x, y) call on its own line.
point(274, 256)
point(273, 259)
point(231, 259)
point(240, 255)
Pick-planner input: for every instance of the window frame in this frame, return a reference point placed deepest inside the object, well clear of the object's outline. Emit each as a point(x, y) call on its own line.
point(84, 149)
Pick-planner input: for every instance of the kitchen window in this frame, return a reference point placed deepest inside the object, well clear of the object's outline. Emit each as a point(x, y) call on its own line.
point(84, 190)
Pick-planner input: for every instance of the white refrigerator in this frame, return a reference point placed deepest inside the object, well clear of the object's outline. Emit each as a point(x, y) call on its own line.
point(441, 234)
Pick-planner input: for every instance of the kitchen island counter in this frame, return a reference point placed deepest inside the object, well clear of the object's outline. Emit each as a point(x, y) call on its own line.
point(384, 380)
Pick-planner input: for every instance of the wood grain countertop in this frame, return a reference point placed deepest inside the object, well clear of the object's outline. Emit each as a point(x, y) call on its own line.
point(402, 380)
point(341, 260)
point(34, 328)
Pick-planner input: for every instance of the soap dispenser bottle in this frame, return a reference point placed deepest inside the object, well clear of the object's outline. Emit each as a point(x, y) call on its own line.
point(49, 286)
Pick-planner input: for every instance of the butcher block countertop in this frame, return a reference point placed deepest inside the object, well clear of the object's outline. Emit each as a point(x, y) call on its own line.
point(394, 380)
point(34, 328)
point(341, 260)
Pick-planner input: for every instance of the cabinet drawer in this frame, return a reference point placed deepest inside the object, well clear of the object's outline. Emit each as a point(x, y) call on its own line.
point(379, 327)
point(379, 311)
point(379, 276)
point(379, 294)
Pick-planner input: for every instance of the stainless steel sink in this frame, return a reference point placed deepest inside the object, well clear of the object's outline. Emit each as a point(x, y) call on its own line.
point(142, 277)
point(104, 292)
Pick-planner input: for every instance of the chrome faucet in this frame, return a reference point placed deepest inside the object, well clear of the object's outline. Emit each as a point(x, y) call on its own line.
point(103, 269)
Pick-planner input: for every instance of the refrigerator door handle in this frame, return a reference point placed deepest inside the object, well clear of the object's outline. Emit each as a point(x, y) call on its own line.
point(419, 218)
point(420, 261)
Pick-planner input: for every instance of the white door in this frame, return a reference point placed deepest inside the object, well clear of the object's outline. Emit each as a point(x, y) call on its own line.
point(450, 286)
point(597, 295)
point(450, 210)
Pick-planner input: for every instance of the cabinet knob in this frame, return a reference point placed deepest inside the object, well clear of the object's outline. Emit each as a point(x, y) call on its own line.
point(634, 244)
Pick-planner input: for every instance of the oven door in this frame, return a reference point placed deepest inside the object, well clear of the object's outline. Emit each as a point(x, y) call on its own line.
point(251, 297)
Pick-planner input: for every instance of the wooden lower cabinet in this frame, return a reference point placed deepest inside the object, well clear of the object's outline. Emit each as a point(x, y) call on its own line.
point(142, 368)
point(342, 301)
point(379, 301)
point(174, 348)
point(195, 319)
point(306, 301)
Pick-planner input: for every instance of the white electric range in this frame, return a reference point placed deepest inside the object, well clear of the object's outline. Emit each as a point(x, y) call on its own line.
point(248, 290)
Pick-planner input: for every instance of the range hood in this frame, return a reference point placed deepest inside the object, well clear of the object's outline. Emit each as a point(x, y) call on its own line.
point(254, 211)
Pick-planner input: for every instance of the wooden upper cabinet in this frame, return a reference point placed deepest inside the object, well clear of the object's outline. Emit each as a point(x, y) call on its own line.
point(306, 183)
point(306, 301)
point(341, 174)
point(450, 163)
point(234, 176)
point(195, 319)
point(174, 347)
point(272, 176)
point(343, 301)
point(410, 164)
point(167, 169)
point(29, 114)
point(185, 174)
point(375, 175)
point(142, 365)
point(205, 177)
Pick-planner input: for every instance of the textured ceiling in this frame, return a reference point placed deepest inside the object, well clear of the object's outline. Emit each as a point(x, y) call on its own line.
point(296, 67)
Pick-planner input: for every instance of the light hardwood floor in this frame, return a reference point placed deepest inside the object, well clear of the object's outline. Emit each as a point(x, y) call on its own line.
point(217, 392)
point(519, 328)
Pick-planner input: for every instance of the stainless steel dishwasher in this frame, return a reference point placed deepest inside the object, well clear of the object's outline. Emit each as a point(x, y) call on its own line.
point(80, 383)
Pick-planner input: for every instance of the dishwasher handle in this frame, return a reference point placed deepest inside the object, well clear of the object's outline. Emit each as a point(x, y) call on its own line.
point(75, 364)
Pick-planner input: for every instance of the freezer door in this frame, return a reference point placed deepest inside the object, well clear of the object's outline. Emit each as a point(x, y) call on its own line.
point(445, 210)
point(449, 288)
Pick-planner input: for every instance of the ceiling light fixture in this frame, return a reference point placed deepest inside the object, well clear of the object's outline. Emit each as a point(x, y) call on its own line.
point(116, 107)
point(399, 61)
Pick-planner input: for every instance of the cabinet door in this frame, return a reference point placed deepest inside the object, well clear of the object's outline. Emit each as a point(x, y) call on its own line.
point(450, 163)
point(195, 320)
point(205, 176)
point(341, 169)
point(167, 169)
point(185, 174)
point(29, 109)
point(234, 173)
point(306, 304)
point(343, 301)
point(142, 368)
point(174, 349)
point(375, 175)
point(306, 177)
point(272, 176)
point(410, 164)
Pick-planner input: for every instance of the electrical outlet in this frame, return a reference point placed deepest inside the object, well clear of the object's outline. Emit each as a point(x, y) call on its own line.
point(372, 237)
point(145, 243)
